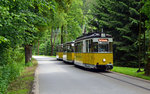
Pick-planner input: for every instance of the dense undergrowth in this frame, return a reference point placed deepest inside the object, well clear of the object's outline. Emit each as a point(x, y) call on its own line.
point(24, 83)
point(11, 63)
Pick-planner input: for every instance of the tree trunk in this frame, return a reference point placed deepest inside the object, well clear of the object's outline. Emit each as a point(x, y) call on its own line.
point(52, 48)
point(51, 42)
point(147, 68)
point(28, 53)
point(31, 52)
point(53, 38)
point(38, 46)
point(62, 28)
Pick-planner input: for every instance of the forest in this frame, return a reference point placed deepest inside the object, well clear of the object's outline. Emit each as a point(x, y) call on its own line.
point(36, 27)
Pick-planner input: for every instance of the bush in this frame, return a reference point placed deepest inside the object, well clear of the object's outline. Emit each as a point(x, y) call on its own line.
point(4, 51)
point(11, 64)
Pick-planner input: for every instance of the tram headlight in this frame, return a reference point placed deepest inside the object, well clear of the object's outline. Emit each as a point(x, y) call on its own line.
point(104, 60)
point(72, 44)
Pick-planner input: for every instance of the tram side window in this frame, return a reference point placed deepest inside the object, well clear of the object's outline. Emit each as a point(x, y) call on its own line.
point(76, 47)
point(68, 48)
point(79, 47)
point(60, 49)
point(91, 46)
point(72, 48)
point(95, 46)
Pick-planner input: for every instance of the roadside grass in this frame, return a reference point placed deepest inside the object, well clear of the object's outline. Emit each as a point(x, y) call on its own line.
point(131, 72)
point(23, 84)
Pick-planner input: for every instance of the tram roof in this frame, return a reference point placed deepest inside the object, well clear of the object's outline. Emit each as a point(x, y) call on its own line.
point(93, 35)
point(69, 42)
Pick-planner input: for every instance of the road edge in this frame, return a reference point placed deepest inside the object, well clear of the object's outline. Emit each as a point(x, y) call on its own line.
point(35, 88)
point(132, 77)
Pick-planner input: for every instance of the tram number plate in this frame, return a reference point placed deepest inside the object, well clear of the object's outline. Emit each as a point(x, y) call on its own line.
point(103, 40)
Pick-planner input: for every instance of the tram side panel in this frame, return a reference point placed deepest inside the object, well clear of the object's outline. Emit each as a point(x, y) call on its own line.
point(95, 60)
point(70, 56)
point(60, 55)
point(78, 59)
point(89, 59)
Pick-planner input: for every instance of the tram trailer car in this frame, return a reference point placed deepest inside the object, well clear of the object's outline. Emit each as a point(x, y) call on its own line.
point(94, 50)
point(59, 54)
point(68, 52)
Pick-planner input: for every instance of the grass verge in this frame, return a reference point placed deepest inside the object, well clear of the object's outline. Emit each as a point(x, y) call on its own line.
point(131, 72)
point(23, 84)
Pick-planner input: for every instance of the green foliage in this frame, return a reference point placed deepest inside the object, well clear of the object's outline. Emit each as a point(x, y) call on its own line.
point(121, 20)
point(11, 69)
point(22, 84)
point(22, 22)
point(68, 14)
point(4, 46)
point(75, 20)
point(146, 11)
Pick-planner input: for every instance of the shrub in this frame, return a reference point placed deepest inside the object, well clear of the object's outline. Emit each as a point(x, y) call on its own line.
point(11, 64)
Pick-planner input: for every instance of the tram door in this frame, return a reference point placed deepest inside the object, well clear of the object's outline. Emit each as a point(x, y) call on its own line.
point(64, 52)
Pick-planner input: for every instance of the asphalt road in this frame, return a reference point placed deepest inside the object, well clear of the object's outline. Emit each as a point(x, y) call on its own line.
point(56, 77)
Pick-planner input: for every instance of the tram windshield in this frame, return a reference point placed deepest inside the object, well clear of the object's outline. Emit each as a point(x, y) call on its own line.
point(60, 48)
point(105, 47)
point(70, 48)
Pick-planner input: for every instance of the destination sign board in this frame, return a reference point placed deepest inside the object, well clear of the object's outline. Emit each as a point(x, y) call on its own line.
point(103, 40)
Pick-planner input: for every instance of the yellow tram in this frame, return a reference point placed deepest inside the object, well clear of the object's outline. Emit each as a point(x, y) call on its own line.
point(59, 54)
point(68, 52)
point(94, 50)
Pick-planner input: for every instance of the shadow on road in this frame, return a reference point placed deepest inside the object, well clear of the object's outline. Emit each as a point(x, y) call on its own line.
point(54, 60)
point(68, 63)
point(62, 63)
point(92, 70)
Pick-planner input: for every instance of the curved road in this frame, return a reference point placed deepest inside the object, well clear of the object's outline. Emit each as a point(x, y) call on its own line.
point(56, 77)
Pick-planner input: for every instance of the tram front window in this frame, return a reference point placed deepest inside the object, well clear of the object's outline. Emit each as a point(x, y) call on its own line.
point(103, 48)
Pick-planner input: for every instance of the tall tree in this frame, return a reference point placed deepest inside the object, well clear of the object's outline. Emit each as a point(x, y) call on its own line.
point(146, 11)
point(75, 20)
point(69, 20)
point(22, 20)
point(121, 19)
